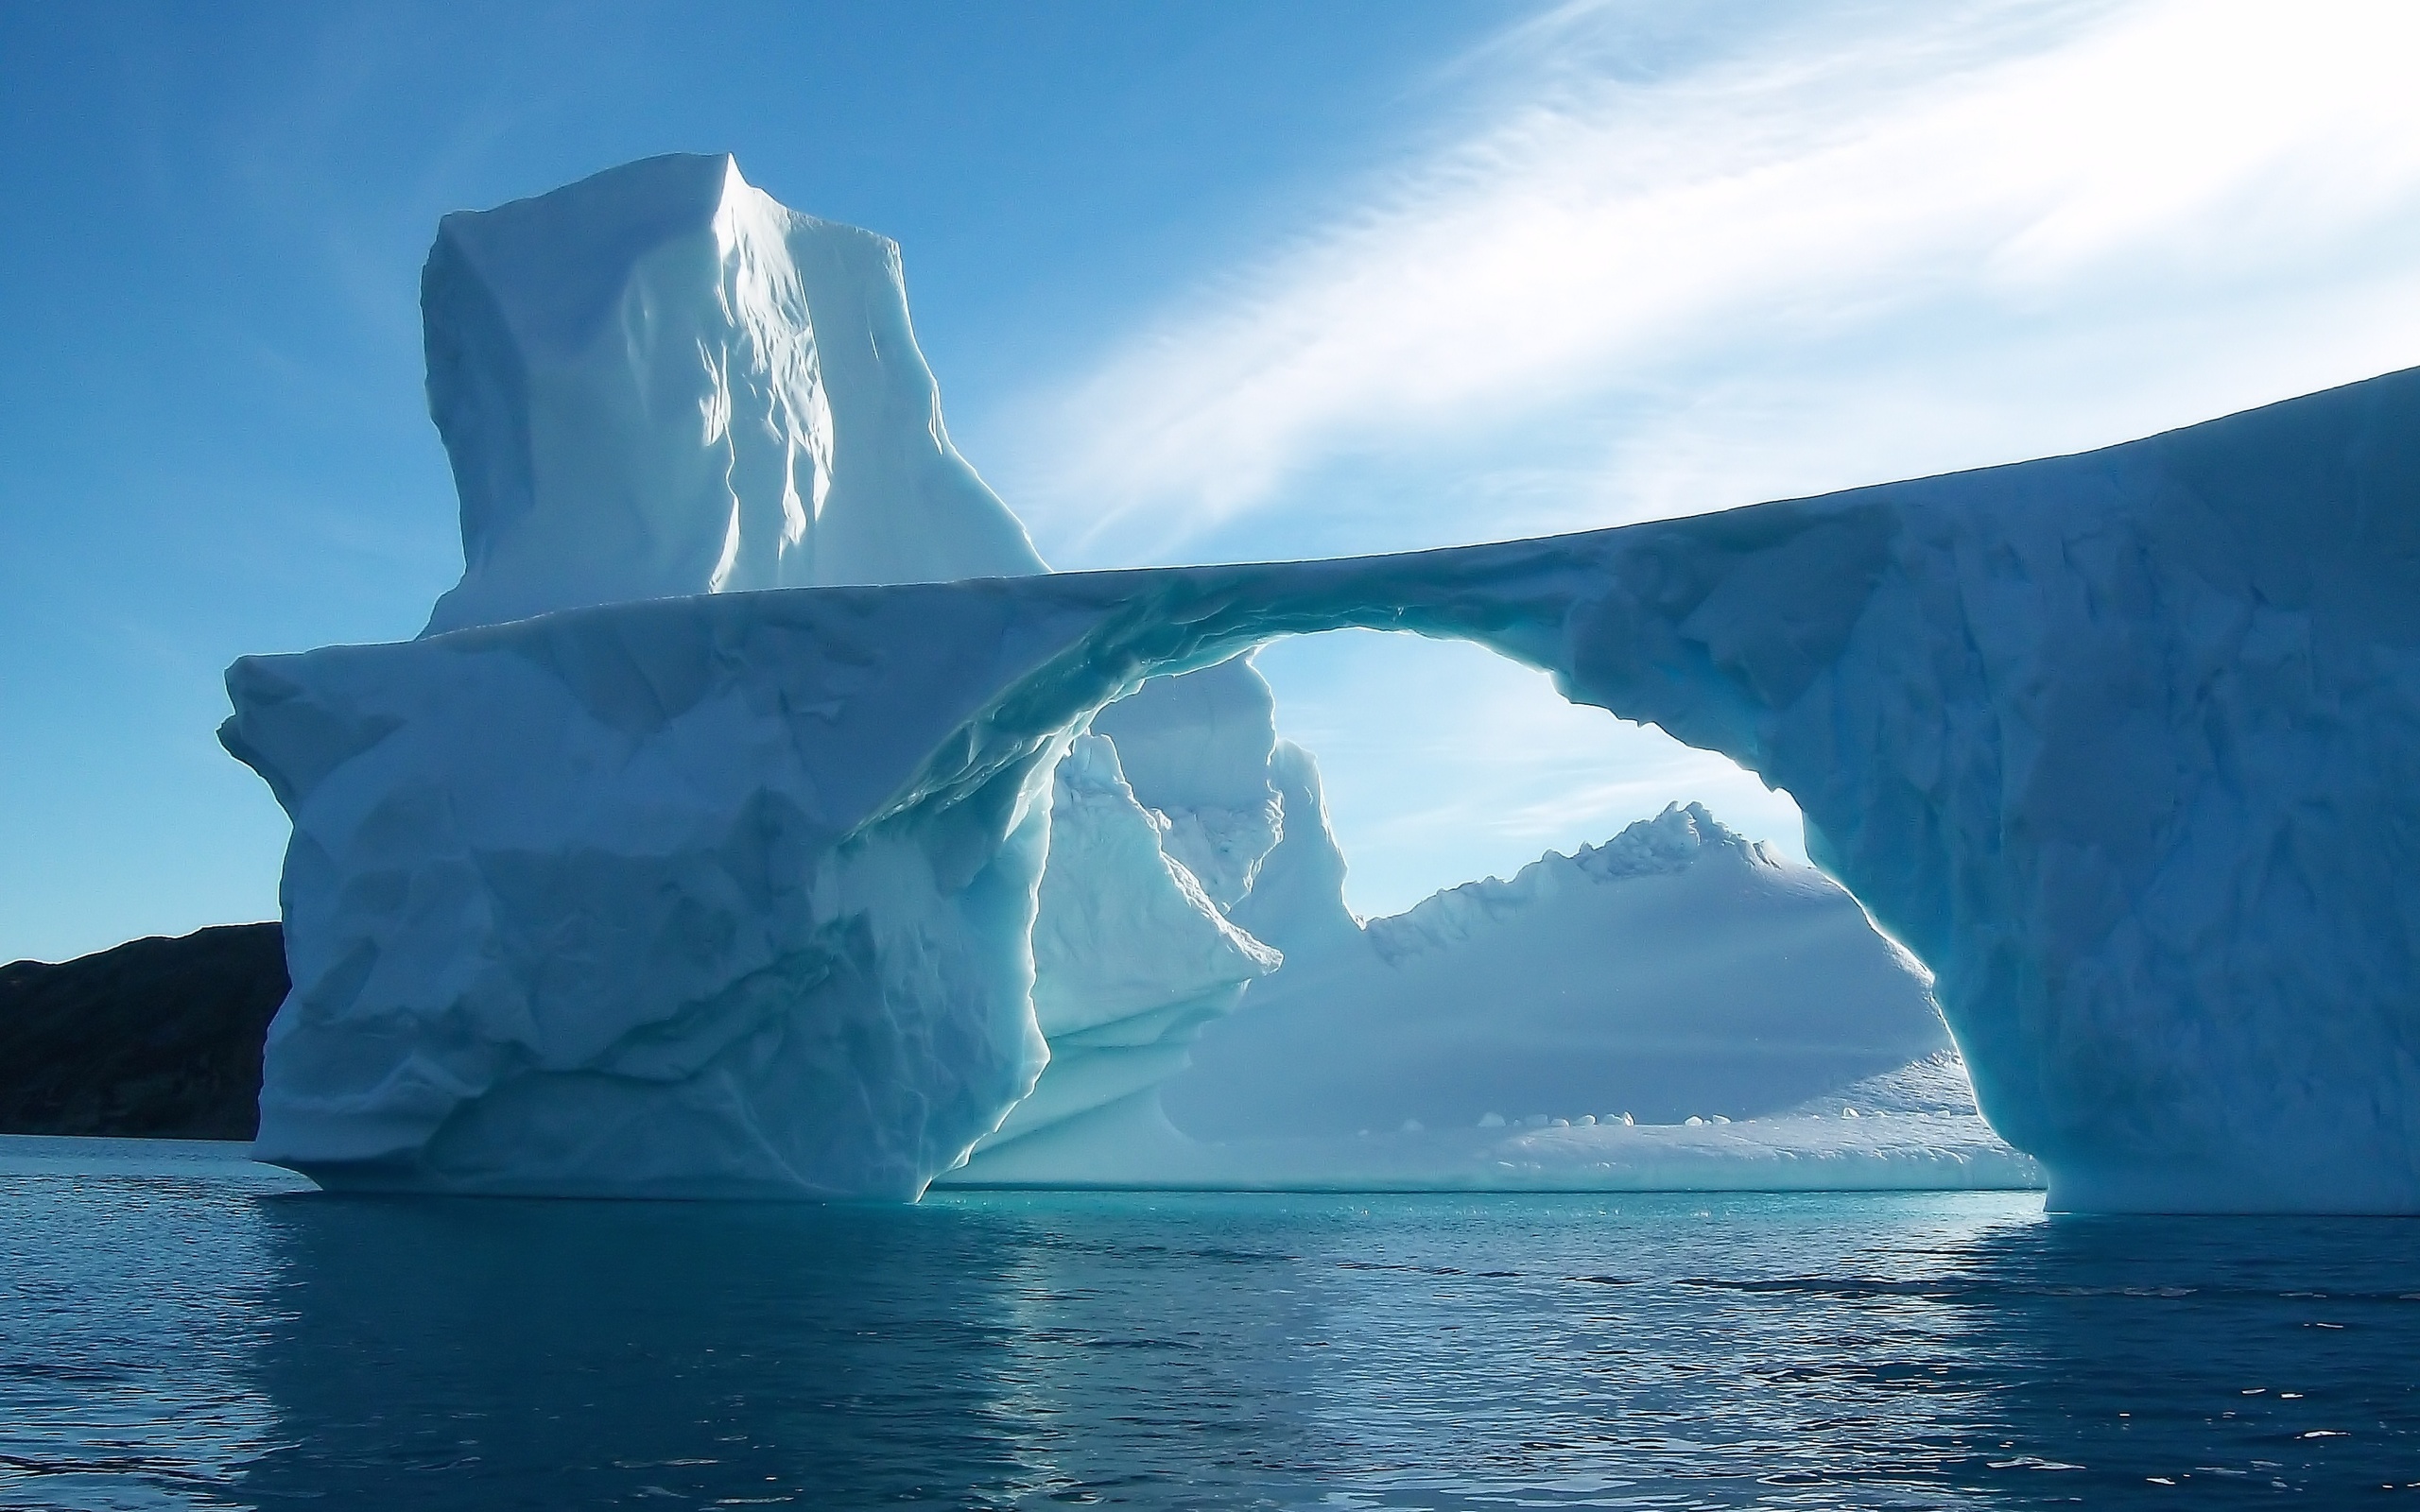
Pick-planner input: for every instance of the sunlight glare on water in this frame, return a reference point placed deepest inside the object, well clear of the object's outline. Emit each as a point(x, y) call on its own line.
point(180, 1329)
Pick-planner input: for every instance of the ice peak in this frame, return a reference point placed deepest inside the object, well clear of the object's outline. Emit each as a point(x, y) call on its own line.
point(1667, 842)
point(660, 381)
point(1672, 841)
point(556, 303)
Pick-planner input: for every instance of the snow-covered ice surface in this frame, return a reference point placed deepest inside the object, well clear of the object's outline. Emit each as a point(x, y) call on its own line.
point(734, 893)
point(1131, 1145)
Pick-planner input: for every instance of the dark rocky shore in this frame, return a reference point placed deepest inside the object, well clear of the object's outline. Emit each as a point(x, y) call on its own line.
point(156, 1039)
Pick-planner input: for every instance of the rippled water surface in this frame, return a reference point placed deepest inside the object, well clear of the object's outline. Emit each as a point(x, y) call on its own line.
point(180, 1329)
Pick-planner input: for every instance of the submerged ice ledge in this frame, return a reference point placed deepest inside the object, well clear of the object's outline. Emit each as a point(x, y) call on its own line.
point(735, 893)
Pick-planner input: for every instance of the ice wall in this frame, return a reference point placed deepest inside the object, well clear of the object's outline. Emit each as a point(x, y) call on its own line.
point(659, 380)
point(647, 901)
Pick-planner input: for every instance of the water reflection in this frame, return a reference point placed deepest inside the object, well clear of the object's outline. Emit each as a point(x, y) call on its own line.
point(2223, 1359)
point(130, 1314)
point(509, 1354)
point(190, 1341)
point(1875, 1351)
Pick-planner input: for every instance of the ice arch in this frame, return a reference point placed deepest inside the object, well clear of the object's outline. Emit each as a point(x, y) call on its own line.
point(731, 893)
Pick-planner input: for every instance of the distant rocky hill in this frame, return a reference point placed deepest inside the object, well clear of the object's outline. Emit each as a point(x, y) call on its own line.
point(156, 1038)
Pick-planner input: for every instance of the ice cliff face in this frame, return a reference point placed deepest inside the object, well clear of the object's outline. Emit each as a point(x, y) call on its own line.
point(736, 891)
point(659, 380)
point(632, 901)
point(1130, 956)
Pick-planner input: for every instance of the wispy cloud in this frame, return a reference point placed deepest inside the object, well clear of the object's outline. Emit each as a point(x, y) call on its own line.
point(1903, 193)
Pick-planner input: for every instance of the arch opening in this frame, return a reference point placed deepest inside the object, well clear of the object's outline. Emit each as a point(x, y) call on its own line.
point(1664, 971)
point(1444, 762)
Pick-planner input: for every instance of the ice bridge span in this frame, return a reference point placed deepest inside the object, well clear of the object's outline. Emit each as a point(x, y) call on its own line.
point(2124, 746)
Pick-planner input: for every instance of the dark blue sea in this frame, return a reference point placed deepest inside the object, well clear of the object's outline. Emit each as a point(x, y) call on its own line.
point(180, 1328)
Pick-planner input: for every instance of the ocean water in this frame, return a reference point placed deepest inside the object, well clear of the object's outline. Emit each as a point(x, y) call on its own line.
point(180, 1329)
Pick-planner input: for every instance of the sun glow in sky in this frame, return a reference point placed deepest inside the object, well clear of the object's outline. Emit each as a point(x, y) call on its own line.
point(1200, 282)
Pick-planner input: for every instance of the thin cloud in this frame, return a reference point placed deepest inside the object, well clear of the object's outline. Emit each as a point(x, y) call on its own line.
point(1841, 178)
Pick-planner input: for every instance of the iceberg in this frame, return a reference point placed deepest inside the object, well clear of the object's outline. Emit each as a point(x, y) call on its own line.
point(696, 853)
point(659, 381)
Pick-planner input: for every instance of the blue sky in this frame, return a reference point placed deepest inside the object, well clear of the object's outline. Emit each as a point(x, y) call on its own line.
point(1201, 282)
